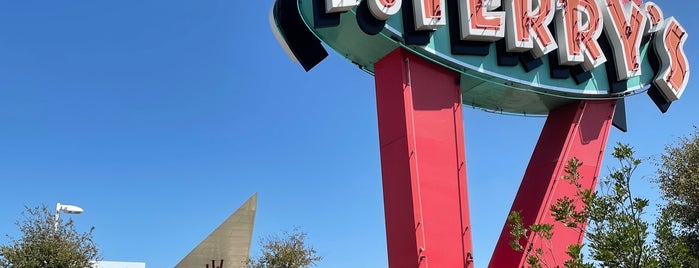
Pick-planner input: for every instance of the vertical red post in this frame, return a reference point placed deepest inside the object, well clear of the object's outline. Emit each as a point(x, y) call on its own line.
point(579, 130)
point(423, 163)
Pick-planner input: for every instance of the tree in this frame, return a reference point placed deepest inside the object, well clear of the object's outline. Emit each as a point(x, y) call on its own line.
point(289, 251)
point(678, 178)
point(617, 235)
point(46, 245)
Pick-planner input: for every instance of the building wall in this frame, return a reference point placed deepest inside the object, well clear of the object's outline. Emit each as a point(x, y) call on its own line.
point(117, 264)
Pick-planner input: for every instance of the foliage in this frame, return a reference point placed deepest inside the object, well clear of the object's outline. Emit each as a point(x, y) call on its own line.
point(43, 245)
point(672, 250)
point(678, 179)
point(617, 235)
point(519, 233)
point(565, 210)
point(289, 251)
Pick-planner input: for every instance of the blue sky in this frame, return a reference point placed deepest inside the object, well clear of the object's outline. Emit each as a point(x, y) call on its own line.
point(160, 118)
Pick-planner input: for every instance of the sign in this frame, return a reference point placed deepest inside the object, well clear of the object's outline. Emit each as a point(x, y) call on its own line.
point(517, 56)
point(573, 60)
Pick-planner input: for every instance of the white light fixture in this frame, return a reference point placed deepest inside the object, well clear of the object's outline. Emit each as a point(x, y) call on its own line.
point(70, 209)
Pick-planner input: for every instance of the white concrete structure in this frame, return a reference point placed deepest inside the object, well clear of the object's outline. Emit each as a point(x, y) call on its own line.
point(229, 245)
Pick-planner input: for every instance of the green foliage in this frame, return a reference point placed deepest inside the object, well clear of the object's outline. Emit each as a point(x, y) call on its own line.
point(518, 232)
point(672, 250)
point(520, 236)
point(576, 258)
point(617, 235)
point(42, 246)
point(678, 178)
point(289, 251)
point(565, 209)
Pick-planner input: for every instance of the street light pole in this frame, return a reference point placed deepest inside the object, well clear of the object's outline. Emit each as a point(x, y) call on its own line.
point(70, 209)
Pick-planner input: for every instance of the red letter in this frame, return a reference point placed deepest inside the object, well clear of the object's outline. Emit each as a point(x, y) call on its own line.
point(624, 27)
point(429, 14)
point(578, 25)
point(674, 67)
point(527, 26)
point(479, 22)
point(654, 15)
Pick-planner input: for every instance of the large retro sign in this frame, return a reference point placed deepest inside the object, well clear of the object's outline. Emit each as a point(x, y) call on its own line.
point(572, 60)
point(516, 56)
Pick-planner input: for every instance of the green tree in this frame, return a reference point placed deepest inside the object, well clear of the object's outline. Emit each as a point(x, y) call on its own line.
point(287, 251)
point(617, 234)
point(45, 245)
point(678, 178)
point(672, 250)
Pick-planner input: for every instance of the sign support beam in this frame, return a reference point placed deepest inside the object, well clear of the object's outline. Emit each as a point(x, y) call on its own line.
point(422, 162)
point(580, 130)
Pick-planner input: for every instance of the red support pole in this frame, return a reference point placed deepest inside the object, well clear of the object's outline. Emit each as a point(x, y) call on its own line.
point(423, 163)
point(579, 130)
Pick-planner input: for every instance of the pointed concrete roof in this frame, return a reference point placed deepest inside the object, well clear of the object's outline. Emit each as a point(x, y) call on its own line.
point(230, 242)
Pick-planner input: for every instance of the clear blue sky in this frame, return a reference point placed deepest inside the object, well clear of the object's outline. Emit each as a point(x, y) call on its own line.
point(160, 118)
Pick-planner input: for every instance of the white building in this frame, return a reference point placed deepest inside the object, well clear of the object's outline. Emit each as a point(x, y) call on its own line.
point(118, 264)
